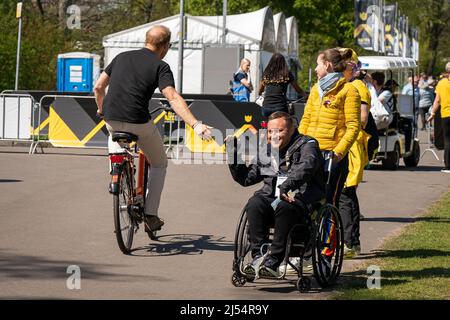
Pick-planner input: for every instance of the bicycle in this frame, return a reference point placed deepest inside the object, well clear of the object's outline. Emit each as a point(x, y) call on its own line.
point(128, 187)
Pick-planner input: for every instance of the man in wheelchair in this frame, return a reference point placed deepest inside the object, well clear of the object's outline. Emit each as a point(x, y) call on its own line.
point(293, 182)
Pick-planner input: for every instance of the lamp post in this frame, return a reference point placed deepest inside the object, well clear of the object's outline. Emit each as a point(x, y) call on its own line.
point(181, 48)
point(224, 33)
point(19, 39)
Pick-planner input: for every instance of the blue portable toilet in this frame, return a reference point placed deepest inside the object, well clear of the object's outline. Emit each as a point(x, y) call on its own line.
point(77, 71)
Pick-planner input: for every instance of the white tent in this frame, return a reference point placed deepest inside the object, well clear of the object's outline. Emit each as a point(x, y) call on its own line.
point(292, 51)
point(254, 32)
point(281, 33)
point(292, 35)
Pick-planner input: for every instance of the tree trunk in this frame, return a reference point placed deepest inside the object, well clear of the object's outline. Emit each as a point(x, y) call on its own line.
point(38, 3)
point(62, 13)
point(149, 11)
point(432, 46)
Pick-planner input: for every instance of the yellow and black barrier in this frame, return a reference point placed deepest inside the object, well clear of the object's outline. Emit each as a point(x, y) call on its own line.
point(71, 121)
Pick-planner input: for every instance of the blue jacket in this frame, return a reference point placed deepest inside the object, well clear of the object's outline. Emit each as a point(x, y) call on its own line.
point(239, 91)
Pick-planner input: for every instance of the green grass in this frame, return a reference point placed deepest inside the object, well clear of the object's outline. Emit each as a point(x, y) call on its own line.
point(414, 265)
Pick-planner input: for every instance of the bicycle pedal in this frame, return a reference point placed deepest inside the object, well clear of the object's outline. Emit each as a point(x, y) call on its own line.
point(136, 212)
point(134, 208)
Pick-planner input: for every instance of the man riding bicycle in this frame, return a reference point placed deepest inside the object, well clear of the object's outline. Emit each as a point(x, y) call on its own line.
point(132, 78)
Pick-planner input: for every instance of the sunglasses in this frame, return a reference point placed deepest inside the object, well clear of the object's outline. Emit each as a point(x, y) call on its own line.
point(355, 66)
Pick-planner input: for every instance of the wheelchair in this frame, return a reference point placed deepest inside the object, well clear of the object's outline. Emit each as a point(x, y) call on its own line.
point(321, 239)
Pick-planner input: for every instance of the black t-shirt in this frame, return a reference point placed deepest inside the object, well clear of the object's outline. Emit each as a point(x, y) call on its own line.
point(275, 93)
point(134, 77)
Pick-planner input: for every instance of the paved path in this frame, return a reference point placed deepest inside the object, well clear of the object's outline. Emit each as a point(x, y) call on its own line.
point(56, 212)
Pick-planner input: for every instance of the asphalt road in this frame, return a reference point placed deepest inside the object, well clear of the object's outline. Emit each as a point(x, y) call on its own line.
point(56, 212)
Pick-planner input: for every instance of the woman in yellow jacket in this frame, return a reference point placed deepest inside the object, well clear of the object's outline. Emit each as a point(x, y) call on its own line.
point(357, 158)
point(333, 117)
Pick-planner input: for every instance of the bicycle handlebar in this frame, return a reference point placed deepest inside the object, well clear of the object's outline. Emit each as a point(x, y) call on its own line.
point(162, 106)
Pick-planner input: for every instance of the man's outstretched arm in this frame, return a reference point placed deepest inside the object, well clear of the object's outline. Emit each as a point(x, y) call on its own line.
point(180, 107)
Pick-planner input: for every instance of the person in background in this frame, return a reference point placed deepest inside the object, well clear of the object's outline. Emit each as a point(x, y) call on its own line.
point(384, 90)
point(426, 99)
point(408, 90)
point(357, 159)
point(443, 100)
point(242, 83)
point(431, 82)
point(333, 116)
point(378, 79)
point(391, 86)
point(274, 84)
point(423, 78)
point(385, 96)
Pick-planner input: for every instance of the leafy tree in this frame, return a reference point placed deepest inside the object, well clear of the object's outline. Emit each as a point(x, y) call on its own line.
point(322, 24)
point(433, 19)
point(39, 47)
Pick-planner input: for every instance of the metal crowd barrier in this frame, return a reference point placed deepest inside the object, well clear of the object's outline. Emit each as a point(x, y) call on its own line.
point(176, 119)
point(12, 108)
point(69, 123)
point(169, 144)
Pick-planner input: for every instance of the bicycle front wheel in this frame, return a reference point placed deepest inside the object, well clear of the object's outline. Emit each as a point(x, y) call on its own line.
point(123, 222)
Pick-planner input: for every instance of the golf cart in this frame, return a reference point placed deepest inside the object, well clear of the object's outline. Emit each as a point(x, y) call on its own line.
point(399, 140)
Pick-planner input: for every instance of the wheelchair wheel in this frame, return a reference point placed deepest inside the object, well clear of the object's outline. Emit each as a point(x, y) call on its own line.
point(303, 284)
point(241, 241)
point(328, 245)
point(241, 249)
point(237, 279)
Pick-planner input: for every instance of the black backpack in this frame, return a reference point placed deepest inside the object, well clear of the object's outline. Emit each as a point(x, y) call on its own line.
point(373, 143)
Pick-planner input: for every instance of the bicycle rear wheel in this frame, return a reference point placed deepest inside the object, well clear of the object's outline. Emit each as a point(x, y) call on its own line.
point(124, 224)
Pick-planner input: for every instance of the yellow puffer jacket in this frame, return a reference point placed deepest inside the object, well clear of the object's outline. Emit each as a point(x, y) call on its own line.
point(358, 156)
point(334, 121)
point(357, 159)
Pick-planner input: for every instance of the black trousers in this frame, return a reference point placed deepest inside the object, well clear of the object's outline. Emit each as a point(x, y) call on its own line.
point(446, 129)
point(336, 181)
point(349, 210)
point(261, 217)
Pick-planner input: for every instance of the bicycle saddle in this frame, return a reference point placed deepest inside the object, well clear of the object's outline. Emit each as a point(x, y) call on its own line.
point(124, 137)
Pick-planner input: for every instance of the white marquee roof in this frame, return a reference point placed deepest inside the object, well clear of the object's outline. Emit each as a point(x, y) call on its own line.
point(281, 33)
point(254, 30)
point(292, 35)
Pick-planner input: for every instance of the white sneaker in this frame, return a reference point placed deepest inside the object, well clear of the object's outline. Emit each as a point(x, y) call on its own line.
point(445, 170)
point(307, 265)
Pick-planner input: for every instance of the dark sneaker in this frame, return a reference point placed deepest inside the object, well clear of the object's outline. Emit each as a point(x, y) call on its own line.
point(270, 267)
point(153, 223)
